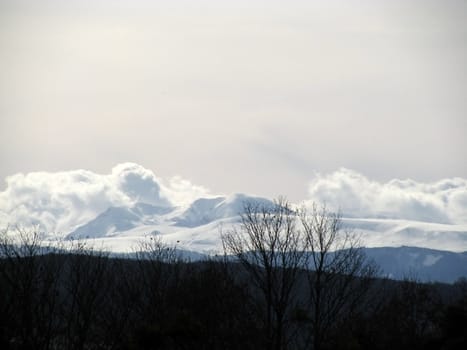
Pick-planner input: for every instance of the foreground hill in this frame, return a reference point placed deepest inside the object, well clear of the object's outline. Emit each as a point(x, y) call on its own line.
point(420, 263)
point(89, 300)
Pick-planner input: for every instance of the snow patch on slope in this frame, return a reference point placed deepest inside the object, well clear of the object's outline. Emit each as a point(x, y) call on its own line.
point(430, 259)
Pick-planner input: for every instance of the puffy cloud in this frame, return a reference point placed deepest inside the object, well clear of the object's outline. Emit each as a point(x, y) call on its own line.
point(444, 201)
point(61, 201)
point(183, 192)
point(139, 184)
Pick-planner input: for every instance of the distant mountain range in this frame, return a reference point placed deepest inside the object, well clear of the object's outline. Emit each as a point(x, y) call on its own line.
point(196, 228)
point(203, 211)
point(120, 219)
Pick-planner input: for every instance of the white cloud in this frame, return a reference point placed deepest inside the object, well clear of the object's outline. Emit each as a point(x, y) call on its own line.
point(139, 184)
point(183, 192)
point(444, 201)
point(61, 201)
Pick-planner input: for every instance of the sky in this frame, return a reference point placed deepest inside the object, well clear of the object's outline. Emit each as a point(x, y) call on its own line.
point(263, 97)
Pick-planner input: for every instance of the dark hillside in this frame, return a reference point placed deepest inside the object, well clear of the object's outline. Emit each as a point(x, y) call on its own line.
point(90, 301)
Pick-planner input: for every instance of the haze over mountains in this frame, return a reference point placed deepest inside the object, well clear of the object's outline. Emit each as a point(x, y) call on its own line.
point(115, 211)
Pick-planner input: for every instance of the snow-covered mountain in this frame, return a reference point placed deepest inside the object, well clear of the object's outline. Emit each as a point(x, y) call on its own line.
point(196, 230)
point(396, 233)
point(197, 226)
point(203, 217)
point(207, 210)
point(119, 219)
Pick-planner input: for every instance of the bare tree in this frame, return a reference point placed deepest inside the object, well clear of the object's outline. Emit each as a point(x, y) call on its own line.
point(29, 280)
point(87, 287)
point(270, 248)
point(159, 270)
point(339, 274)
point(120, 313)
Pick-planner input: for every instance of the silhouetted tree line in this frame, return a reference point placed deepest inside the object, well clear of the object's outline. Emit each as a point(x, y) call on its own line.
point(282, 286)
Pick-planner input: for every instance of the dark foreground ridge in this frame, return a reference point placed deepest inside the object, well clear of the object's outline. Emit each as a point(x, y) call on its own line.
point(88, 300)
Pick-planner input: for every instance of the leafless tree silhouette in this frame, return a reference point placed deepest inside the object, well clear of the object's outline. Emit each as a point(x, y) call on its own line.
point(339, 274)
point(29, 279)
point(271, 249)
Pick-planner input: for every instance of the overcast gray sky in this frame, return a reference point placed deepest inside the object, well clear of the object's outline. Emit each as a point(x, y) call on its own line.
point(252, 96)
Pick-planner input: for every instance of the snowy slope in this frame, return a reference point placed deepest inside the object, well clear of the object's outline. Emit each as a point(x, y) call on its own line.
point(207, 210)
point(197, 226)
point(384, 233)
point(119, 219)
point(396, 233)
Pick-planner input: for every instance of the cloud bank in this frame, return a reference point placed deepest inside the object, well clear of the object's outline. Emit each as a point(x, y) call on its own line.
point(61, 201)
point(444, 201)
